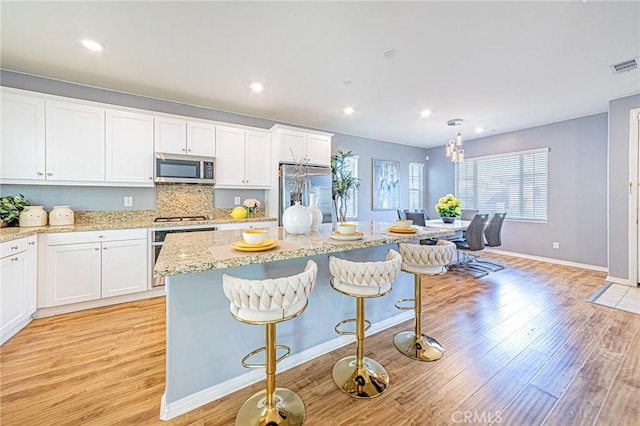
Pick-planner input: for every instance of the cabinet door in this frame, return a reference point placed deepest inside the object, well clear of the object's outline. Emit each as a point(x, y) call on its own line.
point(22, 132)
point(230, 156)
point(319, 150)
point(293, 146)
point(73, 273)
point(258, 158)
point(170, 136)
point(13, 294)
point(124, 267)
point(201, 139)
point(129, 147)
point(32, 273)
point(75, 142)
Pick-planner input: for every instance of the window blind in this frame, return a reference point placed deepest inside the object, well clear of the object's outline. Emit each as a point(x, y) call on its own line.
point(515, 183)
point(416, 182)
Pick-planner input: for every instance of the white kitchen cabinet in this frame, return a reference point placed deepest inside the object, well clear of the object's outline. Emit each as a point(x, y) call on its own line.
point(74, 142)
point(83, 266)
point(175, 136)
point(295, 144)
point(22, 143)
point(17, 285)
point(243, 158)
point(129, 147)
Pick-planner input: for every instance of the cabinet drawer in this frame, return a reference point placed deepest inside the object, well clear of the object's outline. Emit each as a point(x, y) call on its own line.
point(95, 236)
point(13, 247)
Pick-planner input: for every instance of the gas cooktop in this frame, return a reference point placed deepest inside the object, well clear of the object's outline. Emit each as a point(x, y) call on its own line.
point(179, 219)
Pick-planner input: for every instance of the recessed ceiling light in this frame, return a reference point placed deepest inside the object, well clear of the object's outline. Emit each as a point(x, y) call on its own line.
point(347, 82)
point(257, 87)
point(479, 129)
point(348, 110)
point(92, 45)
point(390, 53)
point(425, 113)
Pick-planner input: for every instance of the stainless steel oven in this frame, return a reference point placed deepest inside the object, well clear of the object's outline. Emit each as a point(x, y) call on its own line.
point(159, 234)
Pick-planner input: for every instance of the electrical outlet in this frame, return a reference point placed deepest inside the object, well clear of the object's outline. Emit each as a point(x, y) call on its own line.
point(128, 200)
point(556, 245)
point(236, 201)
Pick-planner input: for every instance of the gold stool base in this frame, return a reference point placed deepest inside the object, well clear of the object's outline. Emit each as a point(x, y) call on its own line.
point(368, 381)
point(289, 410)
point(422, 348)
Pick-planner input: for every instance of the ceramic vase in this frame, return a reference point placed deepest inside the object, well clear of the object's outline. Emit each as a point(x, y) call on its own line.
point(61, 215)
point(296, 219)
point(446, 219)
point(33, 216)
point(316, 214)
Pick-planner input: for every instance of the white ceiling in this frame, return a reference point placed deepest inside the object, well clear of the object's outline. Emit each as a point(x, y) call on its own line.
point(500, 65)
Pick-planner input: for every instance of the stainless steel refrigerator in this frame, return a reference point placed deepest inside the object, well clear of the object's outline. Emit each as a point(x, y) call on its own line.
point(319, 182)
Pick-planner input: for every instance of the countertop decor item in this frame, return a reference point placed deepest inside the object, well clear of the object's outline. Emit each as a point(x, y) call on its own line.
point(448, 208)
point(10, 208)
point(343, 184)
point(250, 205)
point(296, 219)
point(61, 215)
point(316, 214)
point(239, 213)
point(33, 216)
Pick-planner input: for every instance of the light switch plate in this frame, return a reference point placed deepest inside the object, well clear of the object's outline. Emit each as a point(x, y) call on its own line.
point(128, 200)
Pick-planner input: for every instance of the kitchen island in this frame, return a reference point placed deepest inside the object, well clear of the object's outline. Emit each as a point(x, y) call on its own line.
point(205, 344)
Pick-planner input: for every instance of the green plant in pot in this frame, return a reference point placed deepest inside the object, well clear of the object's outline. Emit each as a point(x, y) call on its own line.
point(343, 183)
point(10, 208)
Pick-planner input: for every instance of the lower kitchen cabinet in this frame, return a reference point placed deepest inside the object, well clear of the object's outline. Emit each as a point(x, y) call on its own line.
point(17, 285)
point(83, 266)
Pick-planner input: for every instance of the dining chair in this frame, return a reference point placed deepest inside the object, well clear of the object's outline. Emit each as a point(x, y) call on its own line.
point(401, 214)
point(473, 241)
point(419, 218)
point(468, 214)
point(493, 236)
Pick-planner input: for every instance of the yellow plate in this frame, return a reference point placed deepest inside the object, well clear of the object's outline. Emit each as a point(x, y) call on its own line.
point(266, 245)
point(336, 235)
point(410, 230)
point(346, 235)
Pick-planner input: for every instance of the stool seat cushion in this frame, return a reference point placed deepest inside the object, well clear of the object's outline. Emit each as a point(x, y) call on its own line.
point(269, 300)
point(427, 259)
point(367, 279)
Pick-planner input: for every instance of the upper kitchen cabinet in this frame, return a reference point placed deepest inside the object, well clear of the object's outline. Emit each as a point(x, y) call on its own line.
point(75, 142)
point(293, 144)
point(243, 158)
point(129, 147)
point(22, 147)
point(175, 136)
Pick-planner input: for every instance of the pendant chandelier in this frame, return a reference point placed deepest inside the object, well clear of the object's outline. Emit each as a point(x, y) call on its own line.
point(454, 146)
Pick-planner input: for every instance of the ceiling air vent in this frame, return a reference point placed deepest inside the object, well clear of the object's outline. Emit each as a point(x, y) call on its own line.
point(630, 65)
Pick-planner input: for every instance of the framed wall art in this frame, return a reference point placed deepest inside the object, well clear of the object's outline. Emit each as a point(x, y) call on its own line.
point(386, 185)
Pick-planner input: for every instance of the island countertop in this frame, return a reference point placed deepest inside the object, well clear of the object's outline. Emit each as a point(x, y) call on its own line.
point(185, 253)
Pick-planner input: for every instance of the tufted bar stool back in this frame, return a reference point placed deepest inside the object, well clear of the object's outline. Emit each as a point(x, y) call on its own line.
point(360, 376)
point(267, 302)
point(421, 260)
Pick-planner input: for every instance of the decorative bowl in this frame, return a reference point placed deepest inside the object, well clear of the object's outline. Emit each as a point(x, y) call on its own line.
point(404, 223)
point(254, 236)
point(347, 228)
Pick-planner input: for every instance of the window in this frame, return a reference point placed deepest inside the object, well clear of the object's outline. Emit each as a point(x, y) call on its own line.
point(515, 183)
point(351, 166)
point(416, 181)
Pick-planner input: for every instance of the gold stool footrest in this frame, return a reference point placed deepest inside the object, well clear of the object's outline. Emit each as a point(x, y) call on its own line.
point(245, 364)
point(399, 303)
point(367, 325)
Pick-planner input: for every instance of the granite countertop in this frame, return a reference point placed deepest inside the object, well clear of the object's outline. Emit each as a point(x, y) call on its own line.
point(105, 223)
point(185, 253)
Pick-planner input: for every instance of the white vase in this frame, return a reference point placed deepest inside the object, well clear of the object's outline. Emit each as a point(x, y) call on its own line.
point(61, 215)
point(296, 219)
point(33, 216)
point(316, 214)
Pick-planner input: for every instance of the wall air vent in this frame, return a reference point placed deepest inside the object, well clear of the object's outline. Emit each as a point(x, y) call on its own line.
point(630, 65)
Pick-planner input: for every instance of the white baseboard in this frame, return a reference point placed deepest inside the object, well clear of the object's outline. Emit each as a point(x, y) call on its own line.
point(64, 309)
point(171, 410)
point(550, 260)
point(618, 280)
point(8, 334)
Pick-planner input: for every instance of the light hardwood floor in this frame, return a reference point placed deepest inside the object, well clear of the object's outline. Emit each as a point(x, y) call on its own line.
point(523, 347)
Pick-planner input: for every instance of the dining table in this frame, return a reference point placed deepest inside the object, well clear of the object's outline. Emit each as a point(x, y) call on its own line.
point(457, 225)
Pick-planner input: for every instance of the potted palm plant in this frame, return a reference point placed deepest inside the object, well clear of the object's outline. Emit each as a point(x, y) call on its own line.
point(343, 183)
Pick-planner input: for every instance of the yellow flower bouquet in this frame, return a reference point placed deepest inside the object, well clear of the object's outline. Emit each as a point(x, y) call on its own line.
point(448, 206)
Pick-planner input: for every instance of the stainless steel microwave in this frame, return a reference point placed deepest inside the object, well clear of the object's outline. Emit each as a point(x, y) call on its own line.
point(175, 168)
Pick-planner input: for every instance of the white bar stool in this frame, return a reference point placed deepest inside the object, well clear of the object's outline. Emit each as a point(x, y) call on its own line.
point(422, 260)
point(359, 376)
point(267, 302)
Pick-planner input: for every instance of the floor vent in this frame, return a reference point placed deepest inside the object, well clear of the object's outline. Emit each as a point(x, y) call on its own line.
point(625, 66)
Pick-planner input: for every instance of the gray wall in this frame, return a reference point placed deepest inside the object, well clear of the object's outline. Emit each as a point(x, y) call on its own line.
point(577, 208)
point(619, 184)
point(367, 150)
